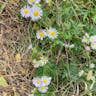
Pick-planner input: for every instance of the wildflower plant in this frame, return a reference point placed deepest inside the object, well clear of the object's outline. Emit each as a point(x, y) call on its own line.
point(42, 83)
point(63, 46)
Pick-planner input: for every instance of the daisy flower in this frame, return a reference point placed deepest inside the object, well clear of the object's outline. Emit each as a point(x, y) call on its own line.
point(37, 82)
point(25, 11)
point(30, 1)
point(36, 13)
point(43, 89)
point(93, 39)
point(52, 33)
point(93, 46)
point(41, 34)
point(35, 63)
point(46, 80)
point(43, 61)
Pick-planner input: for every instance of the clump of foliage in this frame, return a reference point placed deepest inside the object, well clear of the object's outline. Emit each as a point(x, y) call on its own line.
point(70, 53)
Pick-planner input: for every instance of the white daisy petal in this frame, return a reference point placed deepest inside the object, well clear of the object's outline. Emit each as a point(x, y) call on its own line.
point(36, 13)
point(43, 61)
point(43, 89)
point(46, 80)
point(37, 81)
point(52, 33)
point(25, 11)
point(41, 34)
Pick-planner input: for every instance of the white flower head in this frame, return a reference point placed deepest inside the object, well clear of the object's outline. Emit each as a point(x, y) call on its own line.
point(41, 34)
point(92, 65)
point(93, 46)
point(93, 39)
point(43, 89)
point(36, 13)
point(52, 33)
point(25, 11)
point(43, 61)
point(31, 2)
point(46, 80)
point(35, 63)
point(37, 81)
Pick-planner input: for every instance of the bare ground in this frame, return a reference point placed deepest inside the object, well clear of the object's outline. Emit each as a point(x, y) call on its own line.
point(14, 39)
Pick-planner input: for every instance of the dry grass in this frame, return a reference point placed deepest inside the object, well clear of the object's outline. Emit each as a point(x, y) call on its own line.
point(12, 41)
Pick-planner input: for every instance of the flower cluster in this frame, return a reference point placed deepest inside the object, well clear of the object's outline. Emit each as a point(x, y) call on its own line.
point(50, 33)
point(89, 40)
point(43, 60)
point(42, 83)
point(35, 12)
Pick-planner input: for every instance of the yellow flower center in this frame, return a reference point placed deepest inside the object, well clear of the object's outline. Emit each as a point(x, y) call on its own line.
point(31, 0)
point(94, 45)
point(92, 39)
point(36, 13)
point(41, 34)
point(52, 33)
point(26, 11)
point(44, 59)
point(35, 63)
point(43, 87)
point(45, 81)
point(38, 82)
